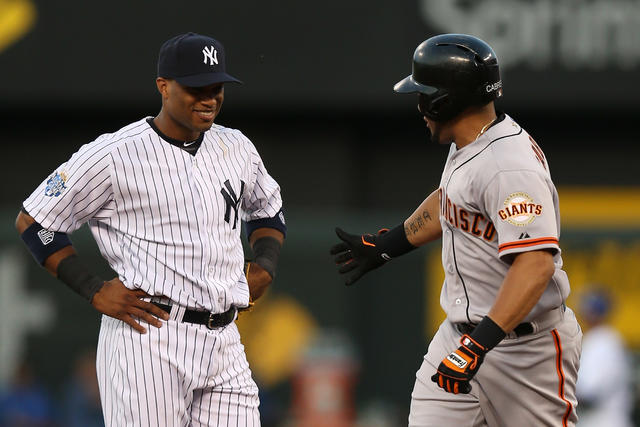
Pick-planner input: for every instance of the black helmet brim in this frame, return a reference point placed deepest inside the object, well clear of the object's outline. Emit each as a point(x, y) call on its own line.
point(409, 85)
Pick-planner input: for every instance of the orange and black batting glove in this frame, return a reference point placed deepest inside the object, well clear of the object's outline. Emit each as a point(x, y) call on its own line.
point(358, 254)
point(455, 372)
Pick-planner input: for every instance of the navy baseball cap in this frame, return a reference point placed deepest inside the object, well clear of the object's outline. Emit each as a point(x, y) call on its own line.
point(193, 60)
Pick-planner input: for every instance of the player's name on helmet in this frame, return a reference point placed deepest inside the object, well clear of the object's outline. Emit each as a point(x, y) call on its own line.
point(493, 86)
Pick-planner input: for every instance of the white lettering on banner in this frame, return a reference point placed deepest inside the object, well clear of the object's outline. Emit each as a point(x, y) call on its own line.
point(211, 54)
point(577, 34)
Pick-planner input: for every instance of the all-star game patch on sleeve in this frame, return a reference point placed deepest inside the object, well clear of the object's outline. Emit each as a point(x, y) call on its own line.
point(521, 206)
point(75, 192)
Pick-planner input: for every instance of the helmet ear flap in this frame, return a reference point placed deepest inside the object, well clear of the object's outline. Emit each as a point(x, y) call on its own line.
point(441, 102)
point(434, 106)
point(441, 106)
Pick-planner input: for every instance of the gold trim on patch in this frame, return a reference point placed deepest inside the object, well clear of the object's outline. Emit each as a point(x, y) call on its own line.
point(520, 209)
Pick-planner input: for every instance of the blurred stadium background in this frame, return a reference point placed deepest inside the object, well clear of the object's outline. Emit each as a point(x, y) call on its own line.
point(317, 101)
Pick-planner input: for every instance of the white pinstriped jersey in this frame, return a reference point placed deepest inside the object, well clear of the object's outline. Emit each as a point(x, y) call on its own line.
point(168, 222)
point(496, 199)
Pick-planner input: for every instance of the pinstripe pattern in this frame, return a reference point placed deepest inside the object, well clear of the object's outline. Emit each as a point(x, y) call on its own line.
point(158, 216)
point(141, 387)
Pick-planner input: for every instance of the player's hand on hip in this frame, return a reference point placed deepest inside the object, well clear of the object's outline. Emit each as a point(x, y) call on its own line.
point(357, 254)
point(457, 369)
point(258, 280)
point(116, 300)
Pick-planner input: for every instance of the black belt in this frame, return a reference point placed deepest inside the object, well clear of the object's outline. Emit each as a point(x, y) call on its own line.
point(520, 330)
point(211, 320)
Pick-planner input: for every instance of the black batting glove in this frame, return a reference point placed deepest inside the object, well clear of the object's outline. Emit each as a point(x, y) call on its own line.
point(358, 254)
point(458, 368)
point(455, 372)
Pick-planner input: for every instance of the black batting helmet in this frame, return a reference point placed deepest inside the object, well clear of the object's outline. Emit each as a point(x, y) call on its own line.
point(452, 72)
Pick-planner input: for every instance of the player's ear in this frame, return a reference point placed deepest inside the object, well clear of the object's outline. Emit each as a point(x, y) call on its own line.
point(163, 86)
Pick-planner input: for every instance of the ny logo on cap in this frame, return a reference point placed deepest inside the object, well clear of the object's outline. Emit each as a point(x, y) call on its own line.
point(211, 54)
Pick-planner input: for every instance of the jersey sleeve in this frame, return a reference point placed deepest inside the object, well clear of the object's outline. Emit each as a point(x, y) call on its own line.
point(522, 209)
point(263, 199)
point(75, 192)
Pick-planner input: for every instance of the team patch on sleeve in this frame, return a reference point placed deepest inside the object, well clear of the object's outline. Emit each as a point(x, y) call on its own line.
point(56, 184)
point(520, 209)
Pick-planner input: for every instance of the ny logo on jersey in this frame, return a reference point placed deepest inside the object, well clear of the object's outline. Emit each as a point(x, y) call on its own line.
point(211, 54)
point(232, 201)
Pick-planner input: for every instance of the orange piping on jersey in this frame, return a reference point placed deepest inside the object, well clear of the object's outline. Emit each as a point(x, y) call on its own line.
point(527, 243)
point(558, 344)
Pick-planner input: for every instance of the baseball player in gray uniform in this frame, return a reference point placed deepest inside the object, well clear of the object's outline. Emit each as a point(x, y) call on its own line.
point(508, 351)
point(164, 198)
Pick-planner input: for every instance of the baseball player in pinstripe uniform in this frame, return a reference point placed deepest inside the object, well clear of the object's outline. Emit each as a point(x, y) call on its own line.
point(508, 352)
point(165, 197)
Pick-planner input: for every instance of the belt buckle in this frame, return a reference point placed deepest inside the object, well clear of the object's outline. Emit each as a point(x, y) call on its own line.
point(210, 321)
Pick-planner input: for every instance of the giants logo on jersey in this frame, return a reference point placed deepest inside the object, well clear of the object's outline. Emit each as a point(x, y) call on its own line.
point(520, 209)
point(471, 222)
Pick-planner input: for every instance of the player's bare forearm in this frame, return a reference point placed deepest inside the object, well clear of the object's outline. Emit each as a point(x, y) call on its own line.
point(23, 221)
point(266, 232)
point(423, 226)
point(522, 287)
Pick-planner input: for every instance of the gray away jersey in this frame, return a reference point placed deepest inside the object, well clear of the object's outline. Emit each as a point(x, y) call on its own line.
point(496, 200)
point(166, 221)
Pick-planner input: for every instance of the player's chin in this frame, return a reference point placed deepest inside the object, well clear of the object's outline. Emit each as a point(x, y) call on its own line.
point(433, 135)
point(432, 132)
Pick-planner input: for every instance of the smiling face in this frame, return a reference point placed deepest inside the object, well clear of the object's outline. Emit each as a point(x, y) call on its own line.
point(188, 111)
